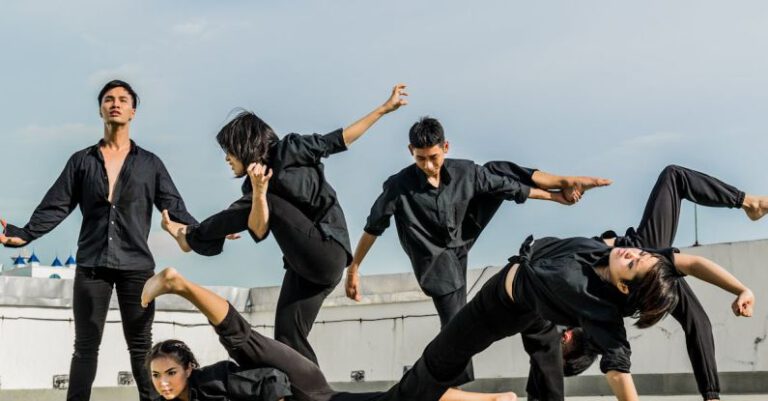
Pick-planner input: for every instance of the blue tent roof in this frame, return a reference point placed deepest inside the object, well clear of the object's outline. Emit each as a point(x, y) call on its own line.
point(56, 262)
point(33, 259)
point(70, 261)
point(19, 261)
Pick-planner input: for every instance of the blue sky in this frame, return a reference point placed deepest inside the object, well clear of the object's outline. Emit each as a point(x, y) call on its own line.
point(589, 87)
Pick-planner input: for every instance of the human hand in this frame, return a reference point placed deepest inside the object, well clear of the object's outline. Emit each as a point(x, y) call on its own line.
point(396, 99)
point(744, 304)
point(10, 241)
point(259, 175)
point(352, 285)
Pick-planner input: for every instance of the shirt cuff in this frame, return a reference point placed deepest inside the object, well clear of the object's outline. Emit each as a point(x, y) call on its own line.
point(376, 232)
point(14, 231)
point(335, 141)
point(711, 395)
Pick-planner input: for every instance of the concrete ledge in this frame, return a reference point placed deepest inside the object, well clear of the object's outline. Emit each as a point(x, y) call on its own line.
point(733, 383)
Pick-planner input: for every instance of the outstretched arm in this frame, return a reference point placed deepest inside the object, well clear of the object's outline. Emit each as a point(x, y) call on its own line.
point(622, 385)
point(358, 128)
point(709, 271)
point(12, 242)
point(353, 271)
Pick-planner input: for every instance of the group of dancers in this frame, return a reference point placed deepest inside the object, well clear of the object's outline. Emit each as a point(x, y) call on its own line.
point(440, 206)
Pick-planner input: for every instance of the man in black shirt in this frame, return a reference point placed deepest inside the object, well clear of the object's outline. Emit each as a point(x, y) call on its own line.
point(115, 183)
point(442, 205)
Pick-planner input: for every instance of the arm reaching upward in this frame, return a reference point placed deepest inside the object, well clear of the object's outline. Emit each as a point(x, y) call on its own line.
point(358, 128)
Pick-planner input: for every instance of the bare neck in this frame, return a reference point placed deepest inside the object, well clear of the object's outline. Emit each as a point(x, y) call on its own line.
point(117, 137)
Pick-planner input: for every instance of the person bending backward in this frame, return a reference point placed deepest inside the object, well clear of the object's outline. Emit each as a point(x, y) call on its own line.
point(115, 183)
point(263, 369)
point(572, 281)
point(441, 206)
point(657, 229)
point(287, 194)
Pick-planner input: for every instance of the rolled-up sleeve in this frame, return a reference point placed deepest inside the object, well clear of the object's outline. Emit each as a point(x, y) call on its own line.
point(309, 149)
point(383, 209)
point(512, 170)
point(506, 187)
point(611, 340)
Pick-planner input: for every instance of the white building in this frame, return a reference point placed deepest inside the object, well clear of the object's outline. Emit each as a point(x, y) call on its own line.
point(31, 267)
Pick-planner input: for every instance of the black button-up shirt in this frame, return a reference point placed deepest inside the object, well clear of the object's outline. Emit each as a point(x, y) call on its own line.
point(557, 279)
point(298, 177)
point(226, 381)
point(112, 235)
point(431, 221)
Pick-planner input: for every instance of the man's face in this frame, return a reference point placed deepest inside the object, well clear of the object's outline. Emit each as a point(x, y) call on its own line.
point(117, 106)
point(430, 160)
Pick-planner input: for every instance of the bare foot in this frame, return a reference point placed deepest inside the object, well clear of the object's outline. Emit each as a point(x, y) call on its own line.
point(161, 283)
point(177, 230)
point(576, 186)
point(755, 206)
point(510, 396)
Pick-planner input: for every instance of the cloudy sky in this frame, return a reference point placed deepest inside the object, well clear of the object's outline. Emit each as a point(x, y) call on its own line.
point(589, 87)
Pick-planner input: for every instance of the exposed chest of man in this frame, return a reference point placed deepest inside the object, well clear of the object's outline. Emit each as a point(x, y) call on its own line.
point(114, 159)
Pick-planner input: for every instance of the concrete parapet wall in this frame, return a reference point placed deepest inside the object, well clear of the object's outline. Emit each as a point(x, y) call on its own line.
point(382, 334)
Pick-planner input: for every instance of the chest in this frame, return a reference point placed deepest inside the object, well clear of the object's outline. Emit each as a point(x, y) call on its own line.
point(113, 164)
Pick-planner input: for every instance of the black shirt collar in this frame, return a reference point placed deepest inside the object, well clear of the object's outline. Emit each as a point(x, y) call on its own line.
point(445, 176)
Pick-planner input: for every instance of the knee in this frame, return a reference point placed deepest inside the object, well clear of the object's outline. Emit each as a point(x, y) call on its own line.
point(671, 171)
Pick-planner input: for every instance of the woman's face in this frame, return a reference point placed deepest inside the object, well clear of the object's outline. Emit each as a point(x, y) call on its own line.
point(169, 377)
point(627, 264)
point(236, 164)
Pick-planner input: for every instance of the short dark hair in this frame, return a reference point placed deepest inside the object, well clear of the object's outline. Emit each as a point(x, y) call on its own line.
point(653, 296)
point(174, 349)
point(579, 354)
point(247, 137)
point(116, 83)
point(426, 132)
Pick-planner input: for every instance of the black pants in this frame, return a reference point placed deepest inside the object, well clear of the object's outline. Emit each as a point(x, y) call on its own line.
point(490, 316)
point(313, 262)
point(252, 350)
point(657, 229)
point(541, 340)
point(91, 294)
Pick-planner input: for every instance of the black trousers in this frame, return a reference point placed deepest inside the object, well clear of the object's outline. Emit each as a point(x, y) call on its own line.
point(313, 262)
point(252, 350)
point(490, 316)
point(91, 294)
point(657, 229)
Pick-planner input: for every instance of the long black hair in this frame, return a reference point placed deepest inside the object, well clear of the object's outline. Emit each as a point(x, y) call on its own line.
point(248, 138)
point(654, 295)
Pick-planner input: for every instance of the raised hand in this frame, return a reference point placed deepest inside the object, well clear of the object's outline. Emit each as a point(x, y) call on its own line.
point(396, 99)
point(10, 241)
point(259, 175)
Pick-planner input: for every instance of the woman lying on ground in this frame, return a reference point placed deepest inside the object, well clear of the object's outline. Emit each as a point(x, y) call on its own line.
point(266, 370)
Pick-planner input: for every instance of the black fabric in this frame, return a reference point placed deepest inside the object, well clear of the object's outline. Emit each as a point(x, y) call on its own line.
point(430, 221)
point(112, 235)
point(557, 279)
point(298, 178)
point(313, 262)
point(447, 307)
point(91, 294)
point(545, 380)
point(657, 229)
point(227, 381)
